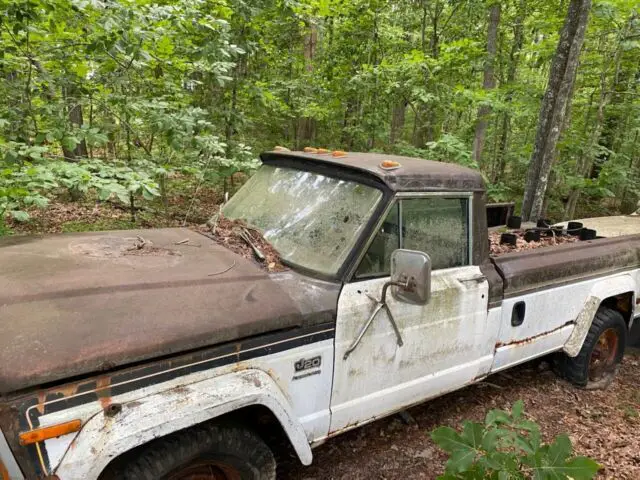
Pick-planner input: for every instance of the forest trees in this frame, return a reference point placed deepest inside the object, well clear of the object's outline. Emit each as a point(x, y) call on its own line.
point(556, 99)
point(124, 99)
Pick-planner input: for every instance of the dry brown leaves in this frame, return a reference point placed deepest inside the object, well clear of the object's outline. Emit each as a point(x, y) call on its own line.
point(604, 425)
point(52, 219)
point(522, 245)
point(229, 233)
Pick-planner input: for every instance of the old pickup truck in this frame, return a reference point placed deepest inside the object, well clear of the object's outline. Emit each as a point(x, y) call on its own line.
point(175, 362)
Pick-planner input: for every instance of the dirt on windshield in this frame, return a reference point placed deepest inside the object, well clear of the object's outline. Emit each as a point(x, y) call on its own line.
point(238, 237)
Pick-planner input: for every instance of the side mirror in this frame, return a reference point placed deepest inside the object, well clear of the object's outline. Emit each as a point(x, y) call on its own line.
point(411, 276)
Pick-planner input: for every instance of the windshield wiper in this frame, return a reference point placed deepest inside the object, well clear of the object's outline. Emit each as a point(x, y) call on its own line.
point(244, 235)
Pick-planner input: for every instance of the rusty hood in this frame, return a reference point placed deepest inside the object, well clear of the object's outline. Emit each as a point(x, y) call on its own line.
point(82, 303)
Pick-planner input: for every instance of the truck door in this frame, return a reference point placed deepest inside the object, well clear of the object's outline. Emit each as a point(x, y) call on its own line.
point(445, 342)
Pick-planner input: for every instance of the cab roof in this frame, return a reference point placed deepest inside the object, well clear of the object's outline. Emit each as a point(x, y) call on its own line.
point(413, 174)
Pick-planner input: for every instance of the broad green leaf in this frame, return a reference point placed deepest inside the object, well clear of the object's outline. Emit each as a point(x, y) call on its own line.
point(104, 194)
point(517, 410)
point(448, 439)
point(473, 433)
point(490, 439)
point(461, 460)
point(559, 450)
point(69, 142)
point(581, 468)
point(147, 193)
point(524, 444)
point(578, 468)
point(495, 417)
point(20, 215)
point(527, 425)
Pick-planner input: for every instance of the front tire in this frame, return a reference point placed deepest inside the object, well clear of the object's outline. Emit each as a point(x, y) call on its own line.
point(205, 452)
point(602, 351)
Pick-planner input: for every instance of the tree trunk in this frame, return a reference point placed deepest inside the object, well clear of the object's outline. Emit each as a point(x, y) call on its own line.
point(489, 81)
point(397, 121)
point(600, 133)
point(75, 119)
point(554, 106)
point(306, 128)
point(424, 131)
point(585, 161)
point(516, 46)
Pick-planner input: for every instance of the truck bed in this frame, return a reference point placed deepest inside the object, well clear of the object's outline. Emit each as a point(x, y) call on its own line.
point(540, 268)
point(615, 226)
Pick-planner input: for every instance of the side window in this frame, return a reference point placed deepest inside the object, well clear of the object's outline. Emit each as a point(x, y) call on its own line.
point(377, 260)
point(438, 226)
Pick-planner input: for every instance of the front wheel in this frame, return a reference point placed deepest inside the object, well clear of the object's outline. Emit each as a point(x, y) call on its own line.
point(597, 363)
point(206, 452)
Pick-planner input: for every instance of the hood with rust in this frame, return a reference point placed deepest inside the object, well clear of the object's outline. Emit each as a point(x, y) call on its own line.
point(83, 303)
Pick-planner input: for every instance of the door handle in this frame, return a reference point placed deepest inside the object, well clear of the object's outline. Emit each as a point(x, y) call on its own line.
point(517, 314)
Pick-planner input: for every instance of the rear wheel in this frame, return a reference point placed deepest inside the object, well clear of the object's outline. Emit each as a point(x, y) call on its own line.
point(596, 364)
point(207, 452)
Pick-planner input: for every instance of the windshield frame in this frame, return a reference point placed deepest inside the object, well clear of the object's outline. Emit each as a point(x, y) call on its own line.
point(340, 173)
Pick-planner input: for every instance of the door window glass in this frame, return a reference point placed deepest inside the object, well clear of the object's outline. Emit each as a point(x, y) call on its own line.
point(438, 226)
point(377, 260)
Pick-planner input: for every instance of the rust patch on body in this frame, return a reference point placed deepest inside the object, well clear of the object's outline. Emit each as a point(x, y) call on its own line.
point(103, 390)
point(349, 426)
point(180, 389)
point(254, 380)
point(524, 341)
point(42, 398)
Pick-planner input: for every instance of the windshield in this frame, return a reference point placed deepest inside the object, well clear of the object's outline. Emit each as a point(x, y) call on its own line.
point(311, 220)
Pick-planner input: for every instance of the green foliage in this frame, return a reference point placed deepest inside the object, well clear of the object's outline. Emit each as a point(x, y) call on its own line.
point(196, 87)
point(508, 446)
point(20, 189)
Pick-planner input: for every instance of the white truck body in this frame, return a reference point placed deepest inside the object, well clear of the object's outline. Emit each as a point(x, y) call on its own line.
point(321, 386)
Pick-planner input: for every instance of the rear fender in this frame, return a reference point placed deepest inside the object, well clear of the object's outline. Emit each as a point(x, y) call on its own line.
point(104, 437)
point(599, 292)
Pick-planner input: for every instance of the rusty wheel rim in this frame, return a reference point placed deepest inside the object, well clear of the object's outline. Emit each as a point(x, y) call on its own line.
point(205, 470)
point(603, 356)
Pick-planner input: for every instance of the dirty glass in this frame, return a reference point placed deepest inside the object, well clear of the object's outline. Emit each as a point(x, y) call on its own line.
point(377, 260)
point(312, 220)
point(439, 227)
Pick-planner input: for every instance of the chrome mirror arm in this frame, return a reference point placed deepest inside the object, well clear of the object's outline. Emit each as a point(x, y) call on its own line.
point(382, 303)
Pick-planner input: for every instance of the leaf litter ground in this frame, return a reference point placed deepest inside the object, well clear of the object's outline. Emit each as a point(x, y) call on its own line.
point(602, 424)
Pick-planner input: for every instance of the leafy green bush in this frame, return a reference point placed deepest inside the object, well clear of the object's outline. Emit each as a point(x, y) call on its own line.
point(509, 447)
point(21, 188)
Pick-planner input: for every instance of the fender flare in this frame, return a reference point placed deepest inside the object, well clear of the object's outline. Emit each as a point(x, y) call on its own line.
point(600, 291)
point(104, 438)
